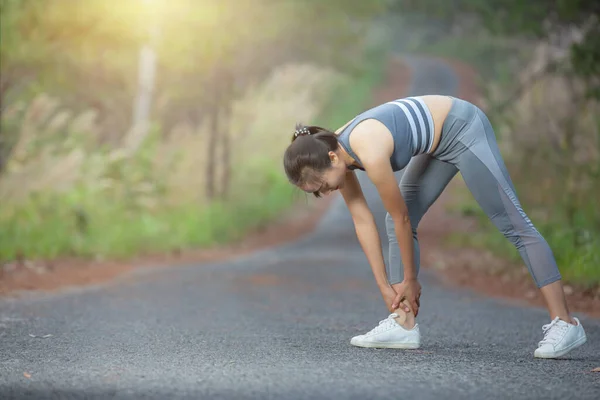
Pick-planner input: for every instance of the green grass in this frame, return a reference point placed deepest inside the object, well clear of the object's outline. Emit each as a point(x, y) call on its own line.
point(88, 222)
point(96, 227)
point(90, 225)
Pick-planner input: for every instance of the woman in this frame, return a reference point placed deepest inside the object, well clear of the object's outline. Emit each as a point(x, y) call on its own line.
point(433, 137)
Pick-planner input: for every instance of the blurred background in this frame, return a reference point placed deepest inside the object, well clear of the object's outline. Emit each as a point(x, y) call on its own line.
point(150, 125)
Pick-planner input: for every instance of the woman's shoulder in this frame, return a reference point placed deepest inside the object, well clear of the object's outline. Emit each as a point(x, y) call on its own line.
point(372, 136)
point(369, 129)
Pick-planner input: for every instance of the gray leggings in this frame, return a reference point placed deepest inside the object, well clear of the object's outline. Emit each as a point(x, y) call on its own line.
point(468, 145)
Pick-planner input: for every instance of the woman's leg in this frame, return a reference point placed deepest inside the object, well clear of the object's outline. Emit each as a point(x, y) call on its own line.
point(421, 184)
point(481, 165)
point(486, 176)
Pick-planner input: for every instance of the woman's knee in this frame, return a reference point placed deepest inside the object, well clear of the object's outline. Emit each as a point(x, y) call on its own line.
point(391, 228)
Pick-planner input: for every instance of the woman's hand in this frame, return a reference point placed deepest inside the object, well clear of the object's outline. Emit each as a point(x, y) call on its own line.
point(389, 297)
point(409, 290)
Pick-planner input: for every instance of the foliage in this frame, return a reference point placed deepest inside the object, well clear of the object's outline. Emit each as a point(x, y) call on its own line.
point(208, 53)
point(62, 44)
point(538, 62)
point(77, 177)
point(574, 22)
point(146, 194)
point(560, 154)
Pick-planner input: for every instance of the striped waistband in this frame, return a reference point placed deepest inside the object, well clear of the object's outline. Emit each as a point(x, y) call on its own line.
point(420, 121)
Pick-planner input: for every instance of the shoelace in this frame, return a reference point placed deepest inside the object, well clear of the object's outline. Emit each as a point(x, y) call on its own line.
point(553, 331)
point(384, 324)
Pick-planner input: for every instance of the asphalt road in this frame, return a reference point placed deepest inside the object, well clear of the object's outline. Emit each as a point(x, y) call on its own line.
point(277, 325)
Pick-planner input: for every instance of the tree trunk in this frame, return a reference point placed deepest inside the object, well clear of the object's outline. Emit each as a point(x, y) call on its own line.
point(226, 101)
point(226, 174)
point(213, 134)
point(4, 86)
point(2, 144)
point(211, 148)
point(568, 150)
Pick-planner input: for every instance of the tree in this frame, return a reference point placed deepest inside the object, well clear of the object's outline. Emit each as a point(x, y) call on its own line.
point(208, 51)
point(539, 19)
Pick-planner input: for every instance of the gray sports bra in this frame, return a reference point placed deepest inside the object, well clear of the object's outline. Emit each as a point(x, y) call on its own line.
point(410, 123)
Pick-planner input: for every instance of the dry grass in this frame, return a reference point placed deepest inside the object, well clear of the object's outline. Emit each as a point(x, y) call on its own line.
point(61, 176)
point(56, 151)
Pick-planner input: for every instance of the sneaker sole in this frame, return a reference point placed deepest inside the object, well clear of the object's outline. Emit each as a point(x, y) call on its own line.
point(378, 345)
point(562, 352)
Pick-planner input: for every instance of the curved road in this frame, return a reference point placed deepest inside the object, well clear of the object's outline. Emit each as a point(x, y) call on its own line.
point(277, 324)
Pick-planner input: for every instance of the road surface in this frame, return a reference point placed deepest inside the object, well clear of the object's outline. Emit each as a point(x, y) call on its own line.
point(277, 325)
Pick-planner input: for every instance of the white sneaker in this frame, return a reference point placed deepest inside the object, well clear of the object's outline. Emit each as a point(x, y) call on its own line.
point(560, 337)
point(389, 334)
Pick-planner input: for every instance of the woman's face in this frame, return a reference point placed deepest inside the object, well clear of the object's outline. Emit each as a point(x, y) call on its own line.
point(329, 180)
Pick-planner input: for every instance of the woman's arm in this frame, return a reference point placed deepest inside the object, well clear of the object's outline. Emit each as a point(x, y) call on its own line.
point(374, 145)
point(381, 174)
point(366, 229)
point(368, 237)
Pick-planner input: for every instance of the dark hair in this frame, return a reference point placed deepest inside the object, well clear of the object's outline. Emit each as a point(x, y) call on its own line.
point(308, 154)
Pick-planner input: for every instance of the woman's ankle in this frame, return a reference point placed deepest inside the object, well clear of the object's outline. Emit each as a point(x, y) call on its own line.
point(406, 323)
point(404, 319)
point(566, 318)
point(556, 302)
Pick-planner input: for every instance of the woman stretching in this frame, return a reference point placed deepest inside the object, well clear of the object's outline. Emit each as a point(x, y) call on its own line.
point(432, 137)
